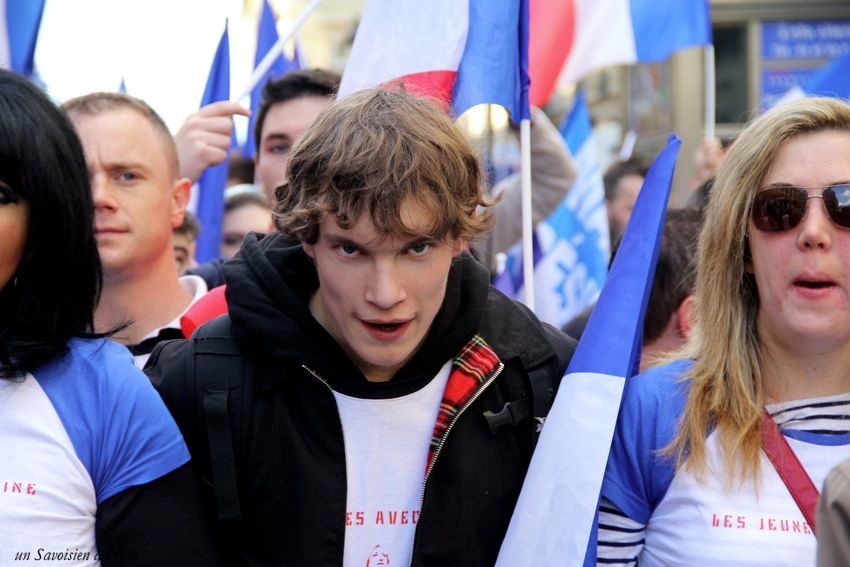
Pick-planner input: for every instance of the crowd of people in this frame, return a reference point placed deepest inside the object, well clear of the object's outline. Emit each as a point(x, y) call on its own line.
point(345, 386)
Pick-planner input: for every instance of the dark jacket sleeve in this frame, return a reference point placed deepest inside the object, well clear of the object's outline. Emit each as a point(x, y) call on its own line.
point(158, 523)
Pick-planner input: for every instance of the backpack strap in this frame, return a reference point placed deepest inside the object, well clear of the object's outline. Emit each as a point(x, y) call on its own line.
point(541, 386)
point(524, 407)
point(222, 369)
point(542, 395)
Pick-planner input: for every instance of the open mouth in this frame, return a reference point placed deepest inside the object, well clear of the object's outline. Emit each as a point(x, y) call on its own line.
point(808, 284)
point(386, 330)
point(384, 327)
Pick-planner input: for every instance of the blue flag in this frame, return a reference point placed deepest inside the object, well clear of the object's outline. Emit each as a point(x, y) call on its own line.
point(494, 66)
point(553, 522)
point(571, 246)
point(212, 181)
point(833, 80)
point(23, 19)
point(267, 36)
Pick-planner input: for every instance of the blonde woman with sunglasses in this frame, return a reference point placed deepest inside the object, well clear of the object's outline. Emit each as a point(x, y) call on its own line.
point(718, 456)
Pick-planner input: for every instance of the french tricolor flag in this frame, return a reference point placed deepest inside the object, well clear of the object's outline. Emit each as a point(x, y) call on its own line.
point(554, 521)
point(570, 38)
point(458, 52)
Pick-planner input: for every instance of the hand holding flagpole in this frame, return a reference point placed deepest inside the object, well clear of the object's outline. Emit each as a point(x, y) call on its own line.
point(277, 49)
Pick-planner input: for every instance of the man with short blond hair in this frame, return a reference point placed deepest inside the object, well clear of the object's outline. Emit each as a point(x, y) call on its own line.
point(138, 199)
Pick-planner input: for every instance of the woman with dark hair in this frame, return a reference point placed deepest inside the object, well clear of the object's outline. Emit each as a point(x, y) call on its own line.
point(92, 467)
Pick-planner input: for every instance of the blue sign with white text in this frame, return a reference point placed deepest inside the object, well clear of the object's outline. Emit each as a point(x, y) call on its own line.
point(805, 39)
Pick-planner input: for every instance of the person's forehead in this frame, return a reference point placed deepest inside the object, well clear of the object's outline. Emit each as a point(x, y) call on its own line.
point(629, 185)
point(812, 159)
point(365, 234)
point(292, 117)
point(121, 135)
point(251, 215)
point(182, 239)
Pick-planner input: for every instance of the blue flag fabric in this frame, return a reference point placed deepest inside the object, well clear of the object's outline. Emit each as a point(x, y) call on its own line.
point(23, 19)
point(662, 27)
point(498, 35)
point(832, 81)
point(212, 181)
point(267, 36)
point(571, 246)
point(553, 522)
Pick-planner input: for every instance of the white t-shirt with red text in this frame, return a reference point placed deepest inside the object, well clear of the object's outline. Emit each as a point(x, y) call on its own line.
point(386, 452)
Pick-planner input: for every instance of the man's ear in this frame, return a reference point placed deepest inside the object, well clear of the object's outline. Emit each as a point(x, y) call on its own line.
point(459, 246)
point(179, 200)
point(308, 249)
point(685, 317)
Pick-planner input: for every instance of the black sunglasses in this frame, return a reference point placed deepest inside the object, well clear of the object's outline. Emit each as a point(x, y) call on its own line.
point(782, 208)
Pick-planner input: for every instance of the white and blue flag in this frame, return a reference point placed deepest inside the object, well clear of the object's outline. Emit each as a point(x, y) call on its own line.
point(572, 245)
point(553, 522)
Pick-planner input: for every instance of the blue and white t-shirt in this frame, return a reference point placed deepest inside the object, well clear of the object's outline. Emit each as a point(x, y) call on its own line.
point(668, 517)
point(76, 432)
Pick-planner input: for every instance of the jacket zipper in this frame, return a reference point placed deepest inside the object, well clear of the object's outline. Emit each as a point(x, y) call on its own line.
point(439, 449)
point(342, 429)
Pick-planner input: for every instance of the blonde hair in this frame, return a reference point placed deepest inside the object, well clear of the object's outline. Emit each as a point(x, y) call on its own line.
point(369, 153)
point(726, 391)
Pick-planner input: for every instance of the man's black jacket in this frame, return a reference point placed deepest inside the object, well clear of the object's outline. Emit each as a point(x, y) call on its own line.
point(292, 478)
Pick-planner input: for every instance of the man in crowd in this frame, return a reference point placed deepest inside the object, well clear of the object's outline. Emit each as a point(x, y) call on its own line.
point(139, 199)
point(369, 389)
point(244, 212)
point(622, 181)
point(289, 107)
point(669, 313)
point(185, 242)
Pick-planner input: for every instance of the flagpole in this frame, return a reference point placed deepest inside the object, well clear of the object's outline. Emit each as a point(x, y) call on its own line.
point(527, 226)
point(277, 49)
point(709, 91)
point(628, 146)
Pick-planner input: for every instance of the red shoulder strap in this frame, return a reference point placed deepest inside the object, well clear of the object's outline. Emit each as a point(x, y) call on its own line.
point(790, 470)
